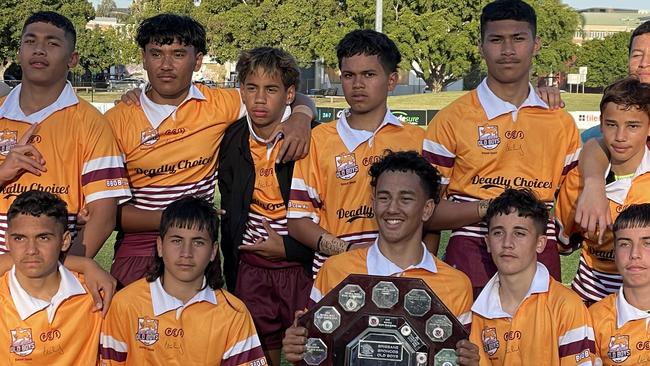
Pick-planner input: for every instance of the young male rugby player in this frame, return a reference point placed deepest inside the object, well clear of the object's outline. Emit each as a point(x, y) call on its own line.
point(491, 138)
point(405, 189)
point(266, 268)
point(625, 124)
point(47, 311)
point(523, 316)
point(171, 136)
point(180, 314)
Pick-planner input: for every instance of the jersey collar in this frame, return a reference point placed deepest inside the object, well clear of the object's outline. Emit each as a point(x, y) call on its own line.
point(270, 146)
point(379, 265)
point(626, 312)
point(353, 138)
point(157, 113)
point(27, 305)
point(495, 106)
point(11, 107)
point(164, 302)
point(617, 190)
point(488, 302)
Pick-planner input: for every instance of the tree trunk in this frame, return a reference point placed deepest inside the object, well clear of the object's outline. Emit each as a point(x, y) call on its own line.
point(435, 85)
point(3, 67)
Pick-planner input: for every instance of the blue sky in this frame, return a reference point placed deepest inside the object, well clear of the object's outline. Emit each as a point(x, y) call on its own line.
point(578, 4)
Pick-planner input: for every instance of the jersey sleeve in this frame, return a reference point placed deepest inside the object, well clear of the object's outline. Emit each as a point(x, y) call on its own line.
point(243, 346)
point(229, 102)
point(573, 148)
point(439, 146)
point(306, 188)
point(103, 174)
point(113, 345)
point(576, 343)
point(565, 212)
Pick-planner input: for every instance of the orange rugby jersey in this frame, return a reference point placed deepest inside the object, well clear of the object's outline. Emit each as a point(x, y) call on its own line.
point(551, 327)
point(171, 157)
point(331, 186)
point(147, 326)
point(266, 202)
point(83, 161)
point(597, 275)
point(449, 284)
point(622, 333)
point(63, 332)
point(481, 145)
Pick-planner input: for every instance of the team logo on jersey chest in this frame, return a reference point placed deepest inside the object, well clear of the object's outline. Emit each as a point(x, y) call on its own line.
point(488, 136)
point(147, 331)
point(490, 340)
point(149, 136)
point(7, 140)
point(22, 342)
point(619, 348)
point(346, 166)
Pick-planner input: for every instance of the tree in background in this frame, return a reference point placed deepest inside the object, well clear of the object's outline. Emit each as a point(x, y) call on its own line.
point(100, 49)
point(556, 25)
point(106, 8)
point(606, 59)
point(13, 14)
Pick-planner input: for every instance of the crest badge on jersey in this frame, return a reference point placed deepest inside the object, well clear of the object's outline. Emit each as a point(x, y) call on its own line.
point(7, 140)
point(488, 136)
point(619, 348)
point(149, 136)
point(22, 342)
point(490, 340)
point(147, 331)
point(346, 166)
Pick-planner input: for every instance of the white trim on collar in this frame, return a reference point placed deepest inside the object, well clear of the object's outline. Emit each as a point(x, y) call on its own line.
point(27, 305)
point(352, 138)
point(488, 302)
point(157, 113)
point(495, 106)
point(379, 265)
point(10, 109)
point(270, 146)
point(625, 312)
point(617, 190)
point(164, 302)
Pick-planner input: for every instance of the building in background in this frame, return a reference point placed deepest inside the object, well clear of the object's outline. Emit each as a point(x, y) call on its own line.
point(598, 23)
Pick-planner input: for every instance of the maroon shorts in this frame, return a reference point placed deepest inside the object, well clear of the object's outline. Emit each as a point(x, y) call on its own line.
point(470, 255)
point(272, 295)
point(134, 256)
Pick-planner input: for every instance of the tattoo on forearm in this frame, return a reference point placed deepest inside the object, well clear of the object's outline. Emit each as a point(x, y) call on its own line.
point(328, 244)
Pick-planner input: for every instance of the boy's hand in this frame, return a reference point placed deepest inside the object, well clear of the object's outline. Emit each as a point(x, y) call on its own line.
point(550, 95)
point(592, 210)
point(296, 132)
point(101, 286)
point(131, 97)
point(295, 338)
point(271, 248)
point(467, 353)
point(23, 157)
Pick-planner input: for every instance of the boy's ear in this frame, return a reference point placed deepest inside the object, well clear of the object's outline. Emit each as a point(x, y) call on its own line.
point(291, 94)
point(541, 244)
point(429, 207)
point(159, 246)
point(393, 79)
point(67, 241)
point(215, 251)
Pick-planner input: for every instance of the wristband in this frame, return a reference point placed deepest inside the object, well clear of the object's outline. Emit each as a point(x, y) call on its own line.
point(320, 238)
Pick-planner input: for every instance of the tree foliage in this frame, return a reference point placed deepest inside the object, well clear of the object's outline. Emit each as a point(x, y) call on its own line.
point(101, 48)
point(13, 14)
point(556, 24)
point(106, 8)
point(606, 59)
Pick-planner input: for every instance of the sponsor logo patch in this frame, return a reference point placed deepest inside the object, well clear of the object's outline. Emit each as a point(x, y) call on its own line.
point(7, 140)
point(22, 342)
point(346, 166)
point(619, 348)
point(488, 137)
point(490, 340)
point(147, 331)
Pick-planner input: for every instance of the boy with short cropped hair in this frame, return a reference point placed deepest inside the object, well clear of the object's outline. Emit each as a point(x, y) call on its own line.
point(266, 268)
point(46, 310)
point(405, 189)
point(620, 319)
point(179, 313)
point(501, 135)
point(625, 124)
point(523, 316)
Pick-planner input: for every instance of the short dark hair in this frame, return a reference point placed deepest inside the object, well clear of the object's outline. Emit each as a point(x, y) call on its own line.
point(508, 10)
point(370, 43)
point(633, 217)
point(39, 203)
point(271, 60)
point(57, 20)
point(640, 30)
point(168, 28)
point(408, 161)
point(191, 213)
point(524, 202)
point(629, 92)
